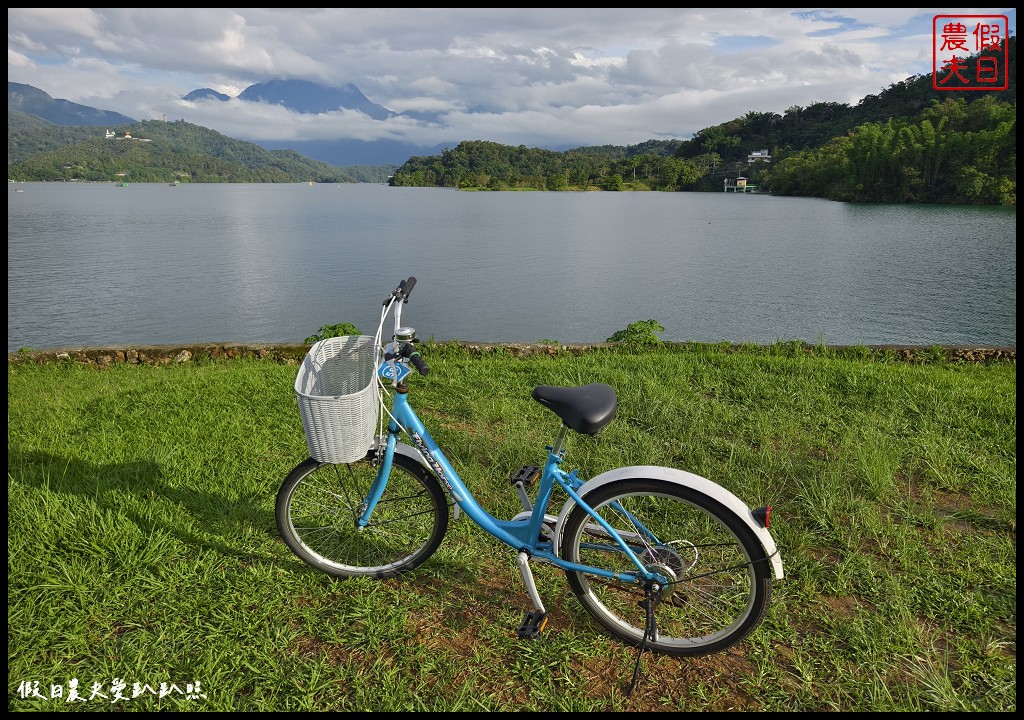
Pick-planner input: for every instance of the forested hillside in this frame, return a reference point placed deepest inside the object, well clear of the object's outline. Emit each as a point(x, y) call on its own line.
point(28, 135)
point(151, 151)
point(953, 152)
point(909, 143)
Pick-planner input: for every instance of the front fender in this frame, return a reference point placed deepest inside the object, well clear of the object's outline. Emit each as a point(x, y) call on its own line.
point(402, 448)
point(688, 480)
point(409, 451)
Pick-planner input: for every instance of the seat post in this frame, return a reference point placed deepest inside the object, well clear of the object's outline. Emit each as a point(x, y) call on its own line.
point(560, 440)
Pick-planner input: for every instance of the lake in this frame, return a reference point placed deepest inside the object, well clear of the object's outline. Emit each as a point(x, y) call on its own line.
point(100, 265)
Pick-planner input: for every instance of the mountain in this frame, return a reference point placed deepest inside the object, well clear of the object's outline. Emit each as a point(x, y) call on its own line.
point(309, 98)
point(204, 94)
point(306, 97)
point(38, 123)
point(33, 101)
point(298, 96)
point(151, 151)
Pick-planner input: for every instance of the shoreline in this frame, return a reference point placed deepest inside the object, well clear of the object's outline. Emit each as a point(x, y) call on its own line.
point(102, 356)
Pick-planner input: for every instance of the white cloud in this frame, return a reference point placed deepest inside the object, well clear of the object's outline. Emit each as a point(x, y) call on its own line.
point(542, 77)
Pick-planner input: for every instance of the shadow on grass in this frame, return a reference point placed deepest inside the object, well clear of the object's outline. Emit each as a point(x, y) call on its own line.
point(139, 492)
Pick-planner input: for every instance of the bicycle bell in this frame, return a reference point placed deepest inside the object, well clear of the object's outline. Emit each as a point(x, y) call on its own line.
point(405, 334)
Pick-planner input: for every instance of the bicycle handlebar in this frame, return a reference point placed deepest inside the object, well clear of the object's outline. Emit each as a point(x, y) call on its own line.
point(406, 351)
point(417, 360)
point(401, 293)
point(409, 352)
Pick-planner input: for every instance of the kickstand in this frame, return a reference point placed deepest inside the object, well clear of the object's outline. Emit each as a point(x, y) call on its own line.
point(650, 631)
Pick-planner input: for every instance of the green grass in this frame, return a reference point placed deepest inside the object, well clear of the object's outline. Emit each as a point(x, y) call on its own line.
point(142, 546)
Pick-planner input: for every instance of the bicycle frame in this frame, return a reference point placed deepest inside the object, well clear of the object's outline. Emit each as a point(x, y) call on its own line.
point(712, 591)
point(521, 534)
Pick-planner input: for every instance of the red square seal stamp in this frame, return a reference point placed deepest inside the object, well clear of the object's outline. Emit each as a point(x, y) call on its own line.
point(970, 52)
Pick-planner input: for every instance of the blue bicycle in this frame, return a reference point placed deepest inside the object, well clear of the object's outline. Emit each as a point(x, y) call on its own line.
point(662, 558)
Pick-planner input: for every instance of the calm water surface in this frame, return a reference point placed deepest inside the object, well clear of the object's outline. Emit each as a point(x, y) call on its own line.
point(96, 264)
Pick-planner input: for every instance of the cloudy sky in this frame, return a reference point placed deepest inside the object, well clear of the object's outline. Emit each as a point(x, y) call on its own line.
point(518, 76)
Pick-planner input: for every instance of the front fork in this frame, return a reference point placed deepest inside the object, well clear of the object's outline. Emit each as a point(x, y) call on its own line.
point(385, 458)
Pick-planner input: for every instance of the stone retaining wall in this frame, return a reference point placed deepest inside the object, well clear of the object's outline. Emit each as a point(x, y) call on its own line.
point(293, 354)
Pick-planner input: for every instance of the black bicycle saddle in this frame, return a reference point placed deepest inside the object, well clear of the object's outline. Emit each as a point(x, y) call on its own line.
point(585, 408)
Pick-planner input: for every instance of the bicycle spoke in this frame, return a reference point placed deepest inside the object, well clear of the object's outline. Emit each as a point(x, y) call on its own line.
point(716, 593)
point(319, 507)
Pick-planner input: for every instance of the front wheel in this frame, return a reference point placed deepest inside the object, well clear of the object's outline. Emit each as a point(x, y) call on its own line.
point(318, 505)
point(719, 580)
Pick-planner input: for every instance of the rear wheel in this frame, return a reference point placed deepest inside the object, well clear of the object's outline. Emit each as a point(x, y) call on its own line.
point(318, 505)
point(719, 580)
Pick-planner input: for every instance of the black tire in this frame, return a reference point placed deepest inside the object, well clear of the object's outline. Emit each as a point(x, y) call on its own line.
point(722, 580)
point(318, 504)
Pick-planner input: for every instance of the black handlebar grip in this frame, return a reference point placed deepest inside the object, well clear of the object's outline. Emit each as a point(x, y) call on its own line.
point(419, 363)
point(409, 284)
point(397, 293)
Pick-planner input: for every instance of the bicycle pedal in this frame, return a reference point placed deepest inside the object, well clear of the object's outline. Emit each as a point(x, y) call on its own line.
point(526, 475)
point(532, 624)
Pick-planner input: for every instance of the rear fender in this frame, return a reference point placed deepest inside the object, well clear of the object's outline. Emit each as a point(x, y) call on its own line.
point(688, 480)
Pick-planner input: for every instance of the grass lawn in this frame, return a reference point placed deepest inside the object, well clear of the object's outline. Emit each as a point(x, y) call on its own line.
point(145, 571)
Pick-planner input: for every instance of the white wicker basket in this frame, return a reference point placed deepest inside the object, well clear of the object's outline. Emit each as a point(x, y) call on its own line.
point(339, 398)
